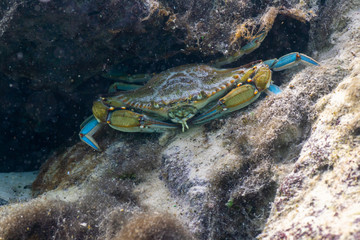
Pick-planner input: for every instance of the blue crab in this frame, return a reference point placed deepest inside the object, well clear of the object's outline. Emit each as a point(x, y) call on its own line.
point(189, 94)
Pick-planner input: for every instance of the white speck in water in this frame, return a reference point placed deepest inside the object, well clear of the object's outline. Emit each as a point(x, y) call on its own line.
point(19, 55)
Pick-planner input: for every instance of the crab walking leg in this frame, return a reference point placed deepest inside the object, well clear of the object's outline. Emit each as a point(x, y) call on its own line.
point(255, 43)
point(120, 76)
point(248, 48)
point(88, 128)
point(129, 121)
point(120, 86)
point(290, 60)
point(273, 89)
point(236, 99)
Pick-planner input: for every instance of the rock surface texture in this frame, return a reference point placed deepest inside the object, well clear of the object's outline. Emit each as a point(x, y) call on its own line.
point(286, 167)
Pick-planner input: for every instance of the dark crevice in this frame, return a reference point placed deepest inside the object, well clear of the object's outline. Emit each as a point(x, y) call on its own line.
point(287, 35)
point(356, 131)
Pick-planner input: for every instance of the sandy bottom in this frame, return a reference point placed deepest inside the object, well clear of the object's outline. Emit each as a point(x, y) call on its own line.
point(16, 186)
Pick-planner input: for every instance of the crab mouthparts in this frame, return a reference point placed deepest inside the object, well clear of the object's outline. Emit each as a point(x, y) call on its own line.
point(184, 124)
point(181, 115)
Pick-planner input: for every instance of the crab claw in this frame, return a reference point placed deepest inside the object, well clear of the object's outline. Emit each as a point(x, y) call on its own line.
point(88, 128)
point(290, 60)
point(129, 121)
point(236, 99)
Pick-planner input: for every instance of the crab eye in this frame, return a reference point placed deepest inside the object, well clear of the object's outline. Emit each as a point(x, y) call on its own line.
point(201, 95)
point(155, 105)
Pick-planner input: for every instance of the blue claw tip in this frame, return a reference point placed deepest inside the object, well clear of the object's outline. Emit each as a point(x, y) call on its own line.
point(274, 89)
point(309, 60)
point(89, 141)
point(88, 128)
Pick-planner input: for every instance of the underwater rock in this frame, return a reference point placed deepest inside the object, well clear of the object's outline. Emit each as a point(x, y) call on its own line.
point(319, 197)
point(286, 167)
point(153, 226)
point(95, 34)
